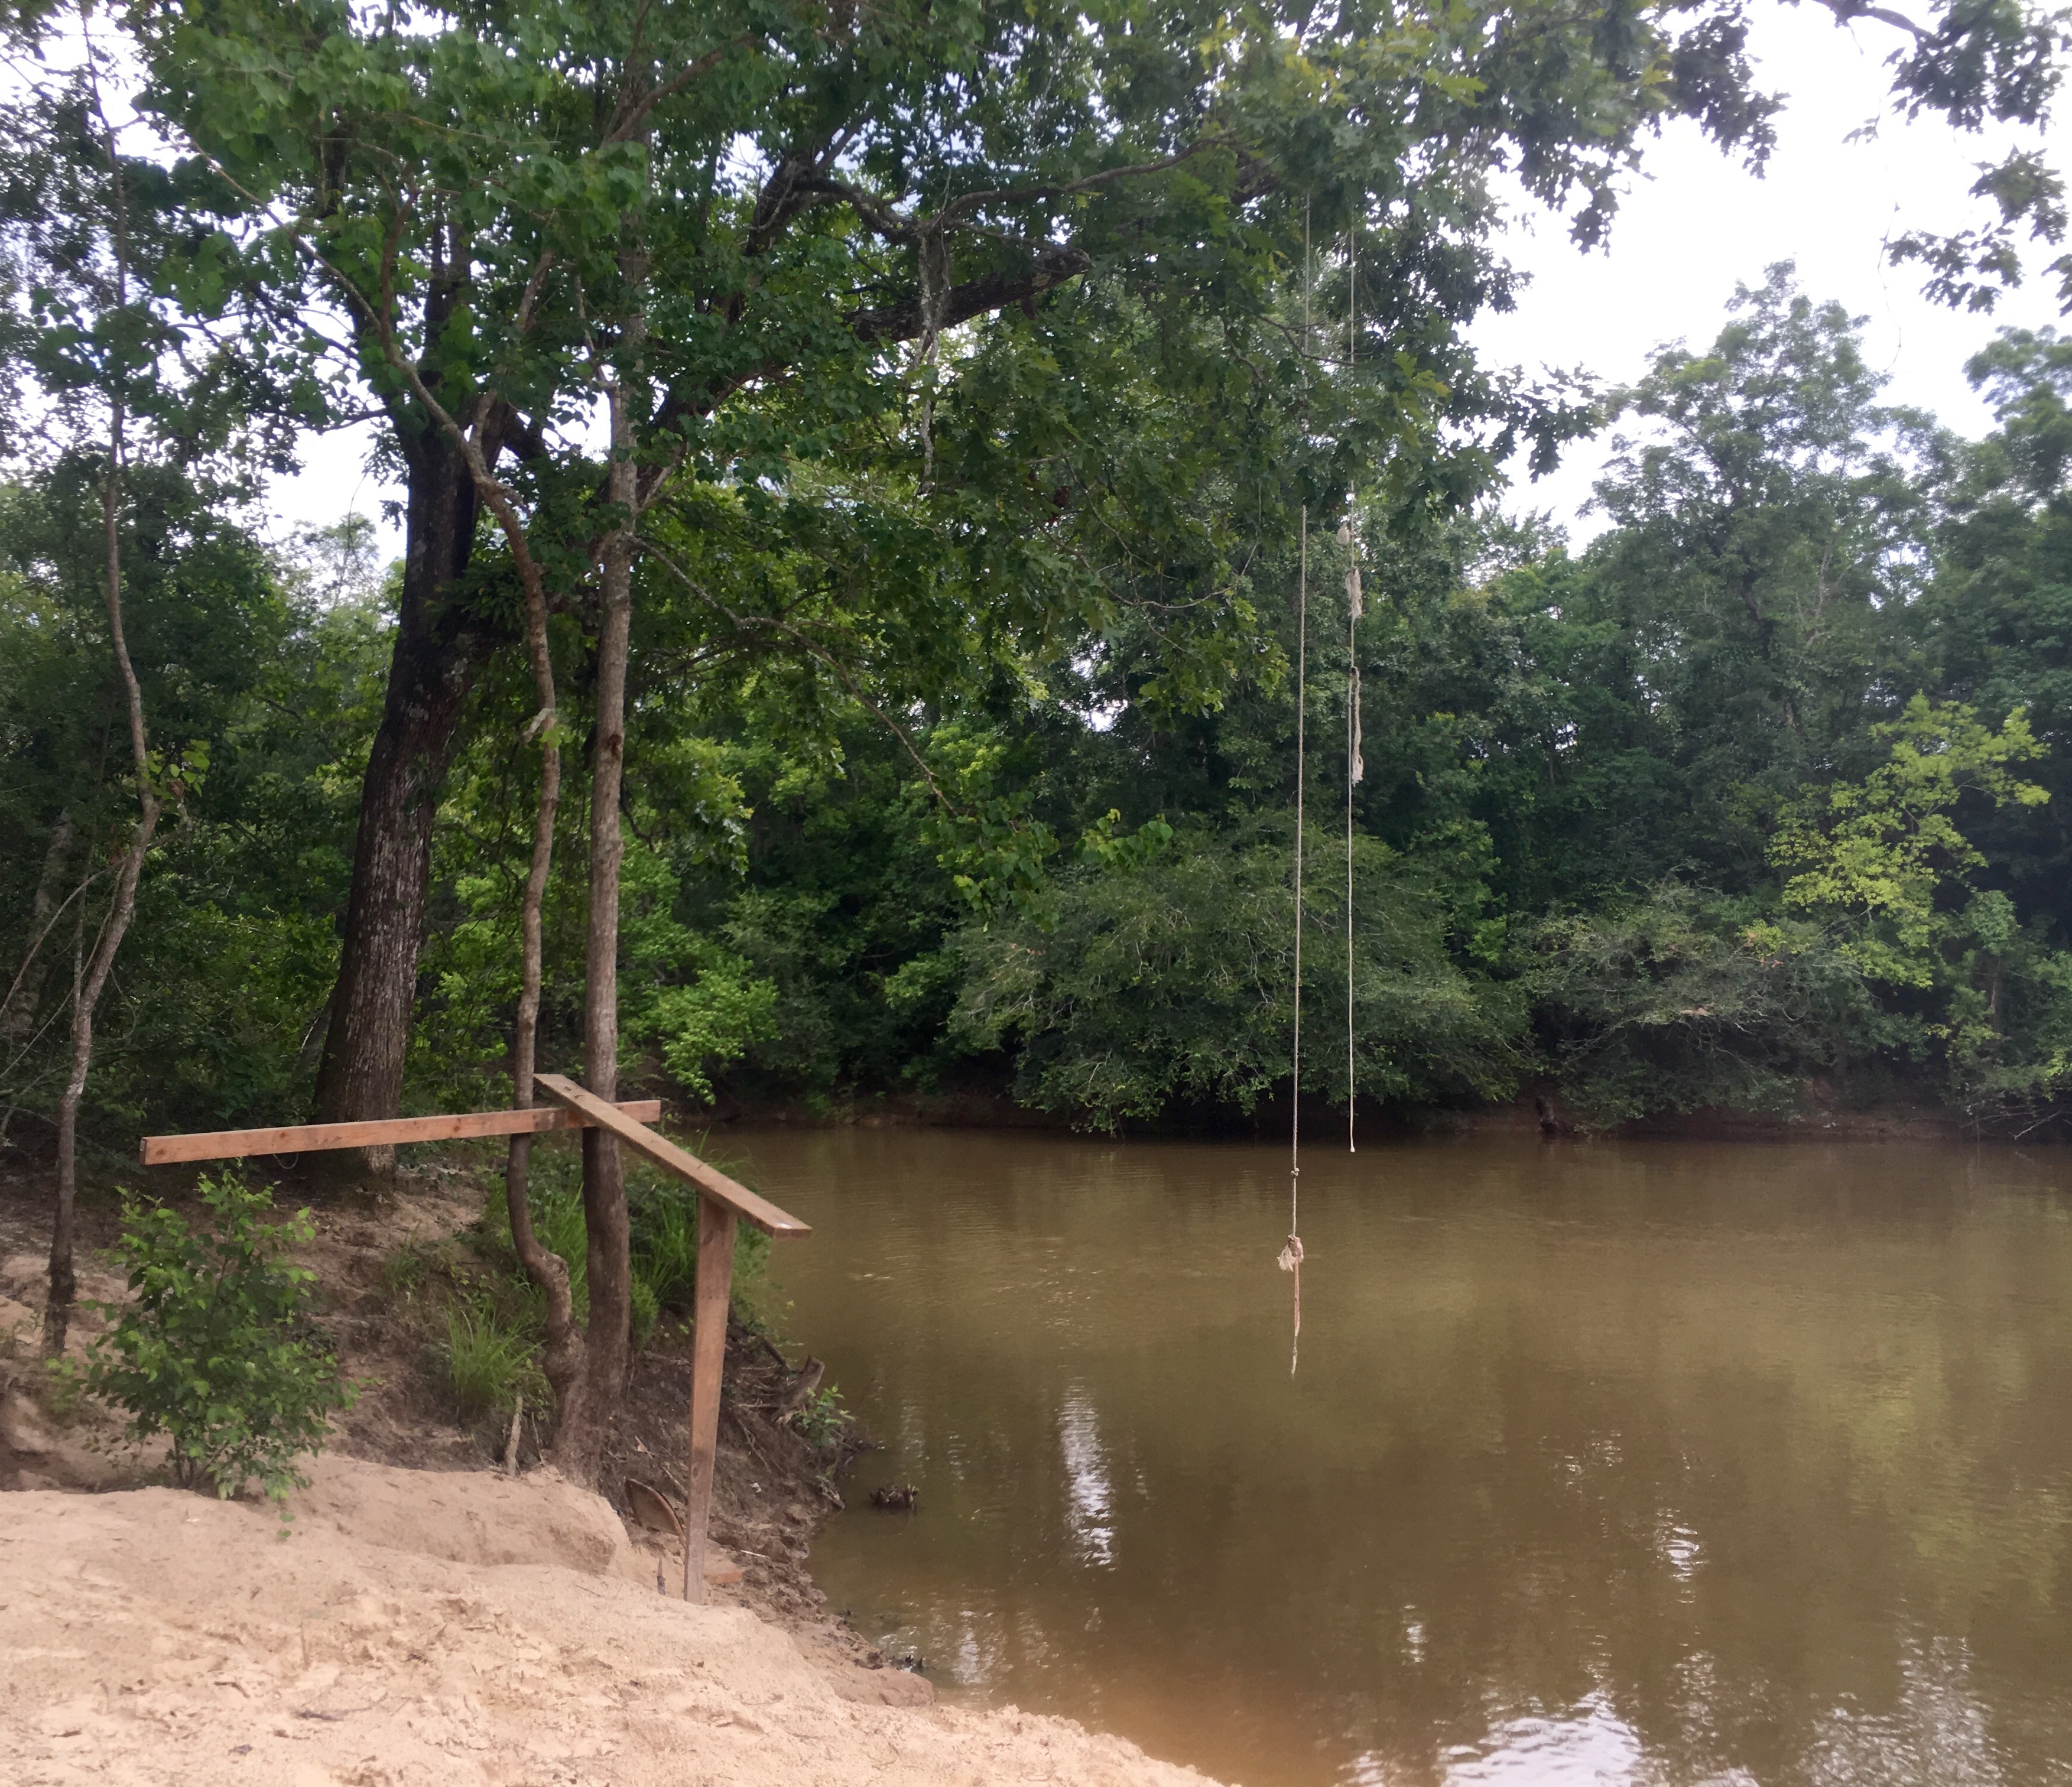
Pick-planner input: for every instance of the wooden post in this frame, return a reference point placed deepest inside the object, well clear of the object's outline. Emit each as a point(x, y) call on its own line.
point(714, 1294)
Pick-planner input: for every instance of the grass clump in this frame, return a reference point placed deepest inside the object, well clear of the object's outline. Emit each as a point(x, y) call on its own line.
point(662, 1215)
point(488, 1361)
point(482, 1321)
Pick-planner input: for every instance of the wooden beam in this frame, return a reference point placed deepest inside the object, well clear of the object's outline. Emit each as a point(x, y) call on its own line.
point(665, 1154)
point(710, 1301)
point(228, 1144)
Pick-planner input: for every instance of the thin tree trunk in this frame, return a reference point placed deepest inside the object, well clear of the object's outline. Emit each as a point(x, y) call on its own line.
point(476, 449)
point(563, 1359)
point(608, 1357)
point(122, 903)
point(122, 908)
point(579, 1446)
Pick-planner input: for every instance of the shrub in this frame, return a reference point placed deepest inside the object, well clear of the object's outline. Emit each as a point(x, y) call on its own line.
point(1166, 980)
point(824, 1421)
point(216, 1350)
point(1685, 1000)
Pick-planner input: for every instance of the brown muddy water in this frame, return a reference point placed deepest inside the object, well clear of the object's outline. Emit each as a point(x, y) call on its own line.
point(1652, 1463)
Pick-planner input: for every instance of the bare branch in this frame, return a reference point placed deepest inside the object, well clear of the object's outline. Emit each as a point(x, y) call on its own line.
point(1049, 268)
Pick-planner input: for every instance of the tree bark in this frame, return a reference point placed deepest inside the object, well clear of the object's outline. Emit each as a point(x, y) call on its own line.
point(122, 902)
point(579, 1446)
point(438, 649)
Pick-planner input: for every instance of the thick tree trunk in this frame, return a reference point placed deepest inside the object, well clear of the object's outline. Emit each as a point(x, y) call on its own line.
point(438, 652)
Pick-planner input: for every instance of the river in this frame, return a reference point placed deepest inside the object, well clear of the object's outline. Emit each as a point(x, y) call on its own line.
point(1741, 1465)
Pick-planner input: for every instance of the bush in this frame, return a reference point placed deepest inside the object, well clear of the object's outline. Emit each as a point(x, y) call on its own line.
point(1167, 981)
point(824, 1421)
point(216, 1350)
point(1685, 1000)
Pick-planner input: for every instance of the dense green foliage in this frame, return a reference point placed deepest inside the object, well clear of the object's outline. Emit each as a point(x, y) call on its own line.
point(261, 670)
point(985, 396)
point(1761, 791)
point(216, 1349)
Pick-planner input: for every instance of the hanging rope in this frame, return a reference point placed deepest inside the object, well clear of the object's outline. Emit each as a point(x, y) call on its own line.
point(1291, 1255)
point(1355, 768)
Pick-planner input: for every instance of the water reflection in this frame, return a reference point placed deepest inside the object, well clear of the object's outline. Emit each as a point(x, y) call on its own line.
point(1086, 1481)
point(1587, 1746)
point(1674, 1466)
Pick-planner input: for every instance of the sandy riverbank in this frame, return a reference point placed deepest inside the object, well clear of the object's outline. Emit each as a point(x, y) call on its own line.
point(421, 1629)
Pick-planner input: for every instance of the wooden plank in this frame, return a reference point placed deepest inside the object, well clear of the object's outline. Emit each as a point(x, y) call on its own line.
point(228, 1144)
point(665, 1154)
point(709, 1305)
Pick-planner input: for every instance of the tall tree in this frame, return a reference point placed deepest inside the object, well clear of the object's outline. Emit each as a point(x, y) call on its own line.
point(724, 225)
point(103, 360)
point(1770, 525)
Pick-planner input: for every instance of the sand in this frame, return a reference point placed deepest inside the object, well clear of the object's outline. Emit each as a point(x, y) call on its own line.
point(429, 1629)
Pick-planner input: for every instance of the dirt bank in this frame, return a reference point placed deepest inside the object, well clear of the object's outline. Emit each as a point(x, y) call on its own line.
point(420, 1630)
point(771, 1489)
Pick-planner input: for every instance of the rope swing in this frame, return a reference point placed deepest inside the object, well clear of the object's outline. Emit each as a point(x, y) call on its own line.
point(1355, 767)
point(1291, 1255)
point(1290, 1259)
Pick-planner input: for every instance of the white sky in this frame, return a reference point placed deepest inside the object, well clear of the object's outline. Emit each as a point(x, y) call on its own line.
point(1695, 225)
point(1685, 236)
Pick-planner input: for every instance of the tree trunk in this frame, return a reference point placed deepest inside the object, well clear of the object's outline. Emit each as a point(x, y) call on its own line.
point(123, 904)
point(562, 1359)
point(436, 654)
point(579, 1446)
point(608, 1355)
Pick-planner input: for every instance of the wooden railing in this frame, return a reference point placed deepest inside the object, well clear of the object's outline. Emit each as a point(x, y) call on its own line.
point(723, 1205)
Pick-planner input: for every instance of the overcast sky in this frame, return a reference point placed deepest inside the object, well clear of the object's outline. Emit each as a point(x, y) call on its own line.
point(1696, 225)
point(1701, 223)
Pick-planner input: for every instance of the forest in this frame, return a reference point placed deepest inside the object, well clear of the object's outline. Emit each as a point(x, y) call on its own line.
point(1763, 788)
point(901, 510)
